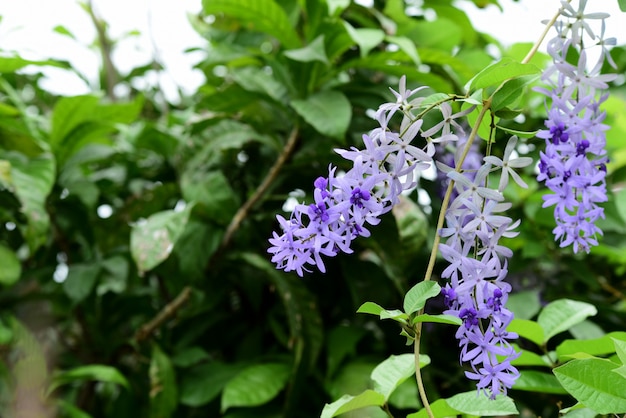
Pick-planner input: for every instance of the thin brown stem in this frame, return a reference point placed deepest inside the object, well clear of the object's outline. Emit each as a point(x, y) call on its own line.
point(164, 314)
point(111, 75)
point(244, 210)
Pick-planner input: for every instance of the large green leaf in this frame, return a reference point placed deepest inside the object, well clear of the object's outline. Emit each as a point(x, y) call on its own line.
point(595, 346)
point(329, 112)
point(80, 281)
point(11, 267)
point(33, 180)
point(255, 385)
point(163, 388)
point(263, 15)
point(593, 384)
point(534, 381)
point(365, 38)
point(528, 329)
point(503, 70)
point(389, 374)
point(212, 191)
point(477, 403)
point(200, 385)
point(312, 52)
point(620, 349)
point(152, 240)
point(560, 315)
point(14, 63)
point(439, 408)
point(416, 297)
point(95, 372)
point(349, 403)
point(256, 80)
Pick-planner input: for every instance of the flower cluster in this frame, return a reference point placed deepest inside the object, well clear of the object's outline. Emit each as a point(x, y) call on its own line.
point(477, 292)
point(573, 165)
point(345, 204)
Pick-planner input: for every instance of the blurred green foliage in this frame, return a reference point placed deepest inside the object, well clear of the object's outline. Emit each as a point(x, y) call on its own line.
point(133, 232)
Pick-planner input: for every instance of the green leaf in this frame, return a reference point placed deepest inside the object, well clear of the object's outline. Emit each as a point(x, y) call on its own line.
point(163, 388)
point(341, 343)
point(534, 381)
point(591, 382)
point(365, 38)
point(622, 5)
point(97, 372)
point(349, 403)
point(329, 112)
point(596, 346)
point(528, 358)
point(312, 52)
point(560, 315)
point(501, 71)
point(524, 305)
point(201, 384)
point(440, 319)
point(389, 374)
point(152, 240)
point(412, 227)
point(406, 45)
point(395, 314)
point(255, 385)
point(80, 281)
point(12, 64)
point(521, 134)
point(256, 80)
point(11, 267)
point(336, 7)
point(528, 329)
point(33, 180)
point(440, 409)
point(217, 200)
point(477, 403)
point(484, 129)
point(620, 349)
point(510, 92)
point(68, 410)
point(262, 15)
point(416, 297)
point(371, 308)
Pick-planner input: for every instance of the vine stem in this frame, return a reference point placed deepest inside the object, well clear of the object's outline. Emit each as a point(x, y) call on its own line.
point(435, 249)
point(243, 211)
point(537, 44)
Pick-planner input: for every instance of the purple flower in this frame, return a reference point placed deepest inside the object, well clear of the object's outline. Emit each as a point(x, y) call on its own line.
point(573, 165)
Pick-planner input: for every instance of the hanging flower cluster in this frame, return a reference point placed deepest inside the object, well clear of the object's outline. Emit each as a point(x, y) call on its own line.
point(346, 204)
point(477, 292)
point(573, 165)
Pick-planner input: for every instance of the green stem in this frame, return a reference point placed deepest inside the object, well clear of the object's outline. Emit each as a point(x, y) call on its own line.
point(435, 249)
point(537, 44)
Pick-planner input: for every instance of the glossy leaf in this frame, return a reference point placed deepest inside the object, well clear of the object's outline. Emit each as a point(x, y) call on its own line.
point(313, 52)
point(534, 381)
point(416, 297)
point(528, 329)
point(255, 385)
point(81, 280)
point(593, 384)
point(152, 240)
point(439, 319)
point(349, 403)
point(560, 315)
point(264, 15)
point(501, 71)
point(163, 386)
point(476, 403)
point(389, 374)
point(95, 372)
point(329, 112)
point(11, 266)
point(596, 346)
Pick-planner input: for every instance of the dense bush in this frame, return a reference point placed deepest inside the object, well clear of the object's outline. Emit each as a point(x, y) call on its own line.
point(135, 274)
